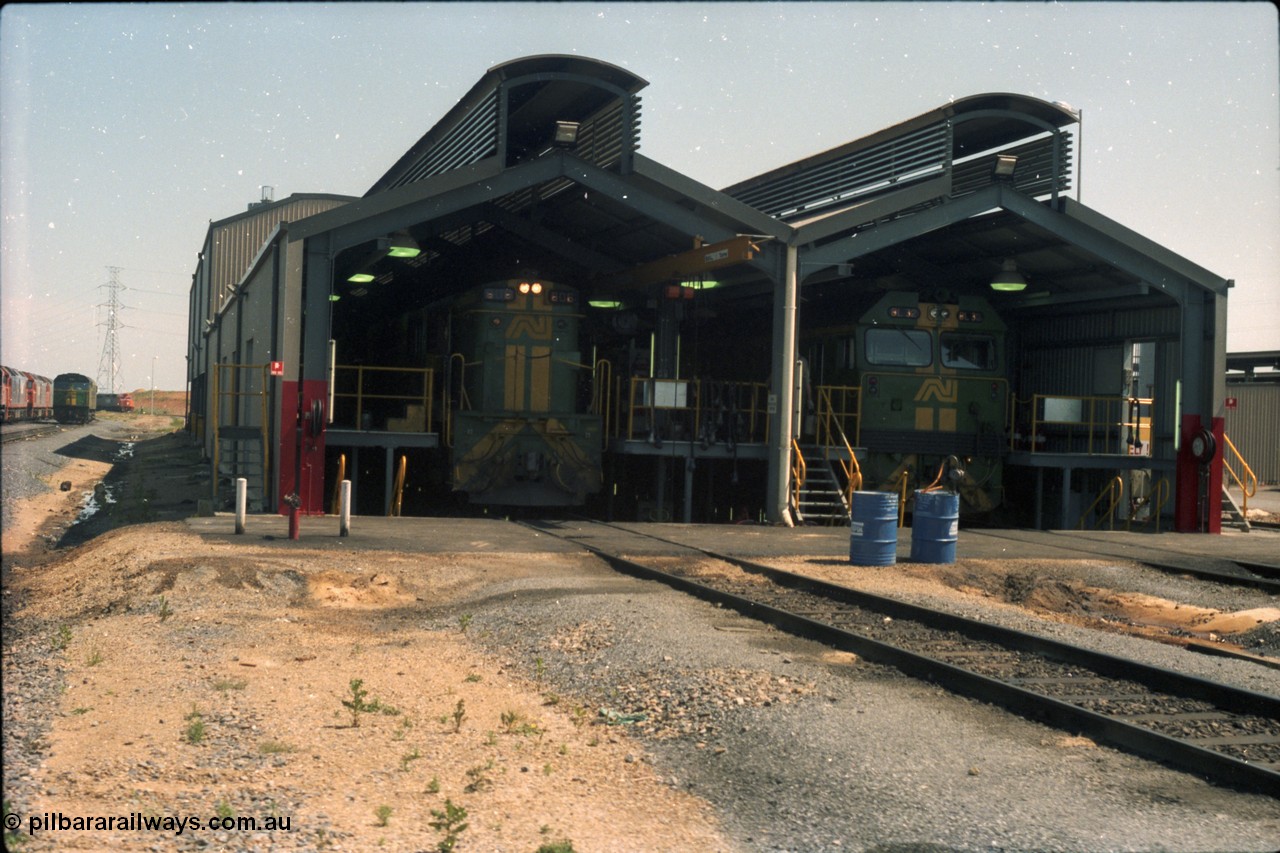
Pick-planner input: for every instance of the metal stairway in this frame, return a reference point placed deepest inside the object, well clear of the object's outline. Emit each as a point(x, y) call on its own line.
point(1232, 515)
point(820, 500)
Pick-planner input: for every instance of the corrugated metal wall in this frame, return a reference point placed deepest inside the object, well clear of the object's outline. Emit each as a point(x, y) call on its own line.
point(235, 243)
point(1254, 427)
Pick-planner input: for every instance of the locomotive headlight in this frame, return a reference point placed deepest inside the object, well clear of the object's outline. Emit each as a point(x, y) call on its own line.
point(524, 287)
point(536, 287)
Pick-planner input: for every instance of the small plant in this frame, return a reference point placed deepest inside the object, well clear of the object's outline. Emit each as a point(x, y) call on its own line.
point(479, 776)
point(539, 669)
point(452, 822)
point(413, 755)
point(12, 839)
point(222, 685)
point(275, 747)
point(562, 846)
point(514, 723)
point(464, 622)
point(403, 730)
point(459, 712)
point(162, 609)
point(78, 711)
point(358, 705)
point(94, 658)
point(62, 638)
point(195, 726)
point(223, 809)
point(472, 678)
point(433, 787)
point(384, 814)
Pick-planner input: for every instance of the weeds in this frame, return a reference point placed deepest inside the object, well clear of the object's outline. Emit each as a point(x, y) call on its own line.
point(94, 658)
point(452, 822)
point(358, 705)
point(275, 747)
point(195, 726)
point(464, 622)
point(562, 846)
point(514, 723)
point(162, 609)
point(384, 815)
point(62, 638)
point(414, 755)
point(433, 787)
point(459, 711)
point(222, 685)
point(479, 776)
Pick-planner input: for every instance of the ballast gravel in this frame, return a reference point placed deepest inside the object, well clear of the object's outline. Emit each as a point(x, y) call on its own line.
point(837, 754)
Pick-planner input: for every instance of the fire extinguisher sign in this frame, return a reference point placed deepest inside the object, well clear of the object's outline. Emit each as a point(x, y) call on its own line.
point(277, 368)
point(1232, 404)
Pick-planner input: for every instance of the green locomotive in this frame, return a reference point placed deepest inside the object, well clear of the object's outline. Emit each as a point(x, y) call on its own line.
point(75, 398)
point(920, 386)
point(522, 430)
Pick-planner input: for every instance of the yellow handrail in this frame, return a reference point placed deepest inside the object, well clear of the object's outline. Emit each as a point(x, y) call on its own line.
point(1247, 480)
point(1096, 414)
point(335, 504)
point(831, 430)
point(798, 472)
point(1113, 490)
point(1156, 499)
point(397, 491)
point(601, 386)
point(902, 499)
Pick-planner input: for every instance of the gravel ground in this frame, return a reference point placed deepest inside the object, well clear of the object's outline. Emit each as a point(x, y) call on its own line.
point(796, 746)
point(804, 749)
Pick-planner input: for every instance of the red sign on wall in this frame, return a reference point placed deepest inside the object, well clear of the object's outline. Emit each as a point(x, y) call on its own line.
point(1232, 404)
point(277, 368)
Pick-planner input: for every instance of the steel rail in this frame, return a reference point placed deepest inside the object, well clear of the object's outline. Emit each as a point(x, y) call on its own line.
point(1181, 753)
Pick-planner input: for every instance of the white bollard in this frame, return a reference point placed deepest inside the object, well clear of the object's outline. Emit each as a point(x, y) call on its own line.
point(344, 509)
point(242, 500)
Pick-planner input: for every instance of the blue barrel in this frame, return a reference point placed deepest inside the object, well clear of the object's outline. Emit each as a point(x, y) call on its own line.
point(873, 529)
point(935, 526)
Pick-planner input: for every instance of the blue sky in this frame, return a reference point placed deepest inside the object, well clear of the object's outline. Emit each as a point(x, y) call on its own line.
point(125, 129)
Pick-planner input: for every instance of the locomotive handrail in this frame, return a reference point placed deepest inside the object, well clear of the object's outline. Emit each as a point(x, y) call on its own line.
point(1247, 480)
point(463, 402)
point(1114, 489)
point(601, 384)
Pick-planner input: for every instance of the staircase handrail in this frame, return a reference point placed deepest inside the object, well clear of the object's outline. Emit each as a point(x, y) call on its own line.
point(1113, 490)
point(1156, 499)
point(798, 473)
point(1247, 480)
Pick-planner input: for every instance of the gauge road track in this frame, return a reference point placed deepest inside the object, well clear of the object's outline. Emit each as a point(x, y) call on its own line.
point(1228, 735)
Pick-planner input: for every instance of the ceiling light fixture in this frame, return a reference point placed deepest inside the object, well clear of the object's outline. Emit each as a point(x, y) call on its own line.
point(1008, 280)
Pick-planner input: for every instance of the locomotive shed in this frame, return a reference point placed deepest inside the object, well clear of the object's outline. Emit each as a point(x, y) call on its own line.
point(717, 362)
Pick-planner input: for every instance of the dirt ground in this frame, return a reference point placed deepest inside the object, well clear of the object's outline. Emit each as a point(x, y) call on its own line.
point(211, 678)
point(207, 679)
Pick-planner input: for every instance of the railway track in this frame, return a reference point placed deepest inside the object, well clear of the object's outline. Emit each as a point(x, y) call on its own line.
point(1222, 733)
point(18, 432)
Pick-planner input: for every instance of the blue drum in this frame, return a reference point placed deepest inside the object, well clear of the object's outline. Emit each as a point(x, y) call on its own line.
point(873, 529)
point(935, 527)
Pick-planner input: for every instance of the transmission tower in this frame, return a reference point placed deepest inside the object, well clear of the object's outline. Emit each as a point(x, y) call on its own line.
point(109, 364)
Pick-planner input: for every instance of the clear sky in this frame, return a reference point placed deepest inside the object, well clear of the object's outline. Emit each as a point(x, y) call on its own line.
point(126, 129)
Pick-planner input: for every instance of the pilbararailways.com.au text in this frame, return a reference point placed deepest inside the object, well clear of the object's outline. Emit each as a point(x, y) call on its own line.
point(140, 822)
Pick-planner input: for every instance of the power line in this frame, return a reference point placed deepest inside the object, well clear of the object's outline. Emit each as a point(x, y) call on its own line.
point(109, 365)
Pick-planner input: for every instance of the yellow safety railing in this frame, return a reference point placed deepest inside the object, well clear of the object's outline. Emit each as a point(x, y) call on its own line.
point(833, 411)
point(1245, 478)
point(241, 386)
point(397, 491)
point(1113, 492)
point(335, 503)
point(799, 470)
point(686, 399)
point(1155, 499)
point(1093, 425)
point(902, 498)
point(394, 377)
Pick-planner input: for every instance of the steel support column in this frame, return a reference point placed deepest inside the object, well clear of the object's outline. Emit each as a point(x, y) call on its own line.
point(781, 397)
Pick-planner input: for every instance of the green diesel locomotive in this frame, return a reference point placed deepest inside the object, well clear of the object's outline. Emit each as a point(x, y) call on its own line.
point(920, 386)
point(522, 431)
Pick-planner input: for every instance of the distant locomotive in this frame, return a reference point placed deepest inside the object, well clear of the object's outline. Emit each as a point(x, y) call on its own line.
point(521, 431)
point(115, 402)
point(24, 396)
point(931, 384)
point(75, 398)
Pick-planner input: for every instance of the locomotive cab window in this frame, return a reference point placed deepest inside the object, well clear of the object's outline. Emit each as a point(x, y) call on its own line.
point(899, 347)
point(968, 352)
